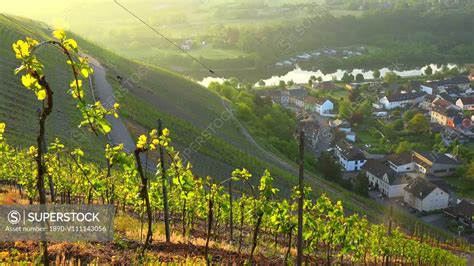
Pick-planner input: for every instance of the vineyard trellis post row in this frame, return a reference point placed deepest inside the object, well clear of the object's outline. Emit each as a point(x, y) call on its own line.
point(163, 184)
point(299, 242)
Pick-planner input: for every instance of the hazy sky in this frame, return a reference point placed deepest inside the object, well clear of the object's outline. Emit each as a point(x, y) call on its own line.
point(57, 12)
point(53, 12)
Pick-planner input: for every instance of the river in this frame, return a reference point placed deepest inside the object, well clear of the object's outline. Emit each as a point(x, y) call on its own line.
point(299, 75)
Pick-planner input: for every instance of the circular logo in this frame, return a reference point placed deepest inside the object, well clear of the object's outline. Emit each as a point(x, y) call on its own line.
point(14, 217)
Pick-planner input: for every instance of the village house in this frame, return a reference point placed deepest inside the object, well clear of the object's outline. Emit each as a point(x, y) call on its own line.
point(310, 103)
point(471, 76)
point(437, 164)
point(341, 125)
point(385, 179)
point(466, 103)
point(460, 81)
point(391, 88)
point(425, 196)
point(311, 129)
point(297, 94)
point(277, 96)
point(324, 106)
point(441, 103)
point(426, 89)
point(285, 97)
point(349, 156)
point(463, 213)
point(325, 85)
point(448, 117)
point(401, 163)
point(428, 101)
point(353, 86)
point(401, 100)
point(321, 106)
point(351, 136)
point(454, 92)
point(445, 96)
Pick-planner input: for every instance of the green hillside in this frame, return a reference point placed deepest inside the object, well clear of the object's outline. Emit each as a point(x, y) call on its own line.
point(188, 109)
point(18, 106)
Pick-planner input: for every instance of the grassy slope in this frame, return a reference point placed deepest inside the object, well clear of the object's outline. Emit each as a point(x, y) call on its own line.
point(186, 107)
point(18, 106)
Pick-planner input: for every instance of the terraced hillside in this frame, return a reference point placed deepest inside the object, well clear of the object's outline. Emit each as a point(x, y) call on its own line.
point(195, 114)
point(18, 106)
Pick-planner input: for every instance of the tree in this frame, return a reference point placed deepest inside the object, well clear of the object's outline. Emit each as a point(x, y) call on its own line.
point(390, 77)
point(359, 77)
point(261, 83)
point(362, 184)
point(328, 167)
point(365, 108)
point(418, 124)
point(345, 109)
point(282, 84)
point(402, 147)
point(347, 78)
point(290, 83)
point(469, 174)
point(354, 94)
point(398, 125)
point(428, 70)
point(356, 118)
point(408, 115)
point(376, 74)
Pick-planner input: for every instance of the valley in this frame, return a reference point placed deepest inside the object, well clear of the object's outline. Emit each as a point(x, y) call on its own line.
point(250, 132)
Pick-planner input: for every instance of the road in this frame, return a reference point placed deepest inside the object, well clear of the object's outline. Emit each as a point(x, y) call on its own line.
point(104, 92)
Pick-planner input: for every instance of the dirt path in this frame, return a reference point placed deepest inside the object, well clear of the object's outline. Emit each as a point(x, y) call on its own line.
point(104, 92)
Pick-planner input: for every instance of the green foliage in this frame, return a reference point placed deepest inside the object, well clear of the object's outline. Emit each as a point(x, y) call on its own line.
point(402, 147)
point(398, 125)
point(418, 124)
point(324, 222)
point(362, 185)
point(428, 70)
point(391, 77)
point(408, 115)
point(34, 78)
point(376, 74)
point(347, 78)
point(329, 168)
point(345, 109)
